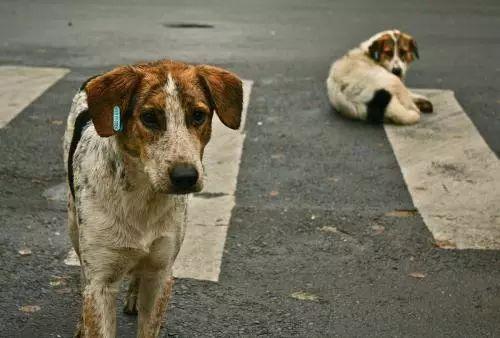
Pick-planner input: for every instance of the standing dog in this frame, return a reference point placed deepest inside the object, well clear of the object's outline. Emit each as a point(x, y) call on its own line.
point(133, 150)
point(367, 82)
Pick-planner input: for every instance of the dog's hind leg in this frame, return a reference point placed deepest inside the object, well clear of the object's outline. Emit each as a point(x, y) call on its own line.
point(345, 102)
point(130, 307)
point(377, 106)
point(73, 225)
point(74, 236)
point(399, 114)
point(79, 326)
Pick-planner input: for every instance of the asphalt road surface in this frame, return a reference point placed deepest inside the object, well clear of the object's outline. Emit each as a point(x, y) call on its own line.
point(324, 238)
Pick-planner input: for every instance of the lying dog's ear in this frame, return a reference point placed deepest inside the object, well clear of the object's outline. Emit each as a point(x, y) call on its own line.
point(407, 43)
point(414, 48)
point(375, 50)
point(113, 89)
point(380, 46)
point(225, 92)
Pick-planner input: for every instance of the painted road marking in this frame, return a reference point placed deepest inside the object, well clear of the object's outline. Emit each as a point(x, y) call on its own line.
point(452, 175)
point(19, 86)
point(209, 212)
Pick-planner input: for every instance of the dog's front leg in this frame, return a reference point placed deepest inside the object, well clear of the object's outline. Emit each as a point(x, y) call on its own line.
point(154, 294)
point(156, 282)
point(423, 103)
point(103, 270)
point(99, 310)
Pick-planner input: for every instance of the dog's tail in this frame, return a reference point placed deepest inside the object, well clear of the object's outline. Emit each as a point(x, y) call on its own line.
point(376, 107)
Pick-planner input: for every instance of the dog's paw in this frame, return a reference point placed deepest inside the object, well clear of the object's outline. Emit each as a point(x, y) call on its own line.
point(130, 307)
point(424, 105)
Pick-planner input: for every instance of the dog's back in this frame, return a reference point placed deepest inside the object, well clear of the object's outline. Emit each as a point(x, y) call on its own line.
point(352, 84)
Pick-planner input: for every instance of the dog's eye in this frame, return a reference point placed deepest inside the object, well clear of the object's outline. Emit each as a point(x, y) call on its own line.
point(198, 117)
point(150, 120)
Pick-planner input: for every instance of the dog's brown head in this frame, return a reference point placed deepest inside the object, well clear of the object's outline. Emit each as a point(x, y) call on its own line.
point(166, 109)
point(393, 50)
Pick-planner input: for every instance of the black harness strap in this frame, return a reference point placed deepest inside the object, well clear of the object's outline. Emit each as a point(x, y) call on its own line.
point(81, 120)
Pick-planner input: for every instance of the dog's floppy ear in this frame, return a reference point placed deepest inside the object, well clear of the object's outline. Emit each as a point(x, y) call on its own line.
point(225, 92)
point(382, 44)
point(409, 44)
point(414, 47)
point(375, 49)
point(105, 92)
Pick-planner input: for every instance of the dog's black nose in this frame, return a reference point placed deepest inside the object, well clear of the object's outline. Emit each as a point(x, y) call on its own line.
point(397, 71)
point(184, 176)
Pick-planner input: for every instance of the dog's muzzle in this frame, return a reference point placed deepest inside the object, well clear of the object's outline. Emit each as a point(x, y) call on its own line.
point(397, 71)
point(184, 177)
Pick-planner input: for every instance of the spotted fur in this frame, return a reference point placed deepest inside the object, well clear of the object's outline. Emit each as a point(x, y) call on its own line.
point(126, 215)
point(379, 64)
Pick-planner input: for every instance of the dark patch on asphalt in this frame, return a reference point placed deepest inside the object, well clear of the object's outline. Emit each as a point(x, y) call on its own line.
point(187, 25)
point(455, 171)
point(402, 213)
point(210, 194)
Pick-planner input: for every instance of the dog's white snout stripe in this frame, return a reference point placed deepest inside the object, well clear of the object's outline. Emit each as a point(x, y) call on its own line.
point(19, 86)
point(209, 213)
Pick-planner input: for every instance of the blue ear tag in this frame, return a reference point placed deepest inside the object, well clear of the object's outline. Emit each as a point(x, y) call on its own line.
point(117, 119)
point(375, 55)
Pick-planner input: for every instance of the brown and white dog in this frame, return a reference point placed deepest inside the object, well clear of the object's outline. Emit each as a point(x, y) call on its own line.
point(367, 82)
point(128, 185)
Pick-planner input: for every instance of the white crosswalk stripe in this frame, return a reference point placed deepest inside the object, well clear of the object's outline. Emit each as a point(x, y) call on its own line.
point(19, 86)
point(452, 175)
point(209, 213)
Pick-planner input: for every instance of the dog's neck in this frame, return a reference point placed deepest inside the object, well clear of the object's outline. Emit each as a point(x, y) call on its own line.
point(128, 168)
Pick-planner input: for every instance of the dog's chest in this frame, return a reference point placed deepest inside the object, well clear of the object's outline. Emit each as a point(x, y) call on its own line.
point(128, 219)
point(116, 207)
point(138, 221)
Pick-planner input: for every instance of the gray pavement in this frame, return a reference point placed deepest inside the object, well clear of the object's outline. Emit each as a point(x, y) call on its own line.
point(285, 270)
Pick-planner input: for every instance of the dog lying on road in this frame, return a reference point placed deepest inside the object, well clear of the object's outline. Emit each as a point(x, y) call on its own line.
point(367, 82)
point(133, 149)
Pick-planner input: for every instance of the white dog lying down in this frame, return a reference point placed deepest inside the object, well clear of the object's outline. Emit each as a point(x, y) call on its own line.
point(367, 82)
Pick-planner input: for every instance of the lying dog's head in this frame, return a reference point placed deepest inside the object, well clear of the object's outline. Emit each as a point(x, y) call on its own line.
point(166, 111)
point(393, 50)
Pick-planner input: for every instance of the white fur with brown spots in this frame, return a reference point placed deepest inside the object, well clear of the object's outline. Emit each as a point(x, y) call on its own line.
point(127, 216)
point(379, 63)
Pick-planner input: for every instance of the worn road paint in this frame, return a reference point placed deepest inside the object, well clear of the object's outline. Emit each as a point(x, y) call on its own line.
point(452, 175)
point(19, 86)
point(209, 212)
